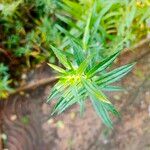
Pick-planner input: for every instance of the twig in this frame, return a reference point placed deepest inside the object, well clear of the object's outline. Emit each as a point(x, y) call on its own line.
point(2, 50)
point(34, 85)
point(5, 52)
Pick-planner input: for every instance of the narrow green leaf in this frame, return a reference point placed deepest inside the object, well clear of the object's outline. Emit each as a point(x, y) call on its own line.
point(130, 16)
point(114, 75)
point(100, 15)
point(78, 98)
point(94, 91)
point(62, 58)
point(66, 105)
point(111, 108)
point(82, 107)
point(58, 88)
point(69, 8)
point(58, 106)
point(112, 88)
point(67, 100)
point(69, 103)
point(83, 66)
point(102, 112)
point(86, 35)
point(78, 52)
point(111, 14)
point(75, 92)
point(64, 31)
point(63, 100)
point(57, 68)
point(102, 65)
point(68, 21)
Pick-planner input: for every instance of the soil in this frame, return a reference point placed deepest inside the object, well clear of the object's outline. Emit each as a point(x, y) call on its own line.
point(26, 123)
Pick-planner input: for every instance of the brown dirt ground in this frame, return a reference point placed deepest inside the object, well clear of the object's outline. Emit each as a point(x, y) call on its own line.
point(26, 122)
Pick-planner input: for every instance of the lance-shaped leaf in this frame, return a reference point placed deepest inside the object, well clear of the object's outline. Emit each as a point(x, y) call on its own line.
point(82, 107)
point(111, 108)
point(68, 21)
point(73, 8)
point(84, 65)
point(78, 52)
point(114, 75)
point(101, 111)
point(56, 68)
point(61, 57)
point(64, 31)
point(111, 88)
point(72, 100)
point(102, 65)
point(86, 35)
point(90, 87)
point(57, 89)
point(66, 94)
point(100, 15)
point(68, 98)
point(78, 97)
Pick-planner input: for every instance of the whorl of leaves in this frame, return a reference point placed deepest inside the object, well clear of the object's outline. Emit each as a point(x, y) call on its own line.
point(80, 80)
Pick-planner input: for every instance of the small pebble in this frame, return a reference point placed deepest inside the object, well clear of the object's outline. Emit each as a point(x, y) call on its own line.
point(60, 124)
point(4, 136)
point(23, 76)
point(149, 110)
point(142, 104)
point(50, 121)
point(117, 97)
point(21, 93)
point(72, 115)
point(13, 117)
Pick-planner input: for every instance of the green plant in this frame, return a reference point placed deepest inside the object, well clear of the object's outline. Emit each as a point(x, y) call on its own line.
point(4, 81)
point(82, 79)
